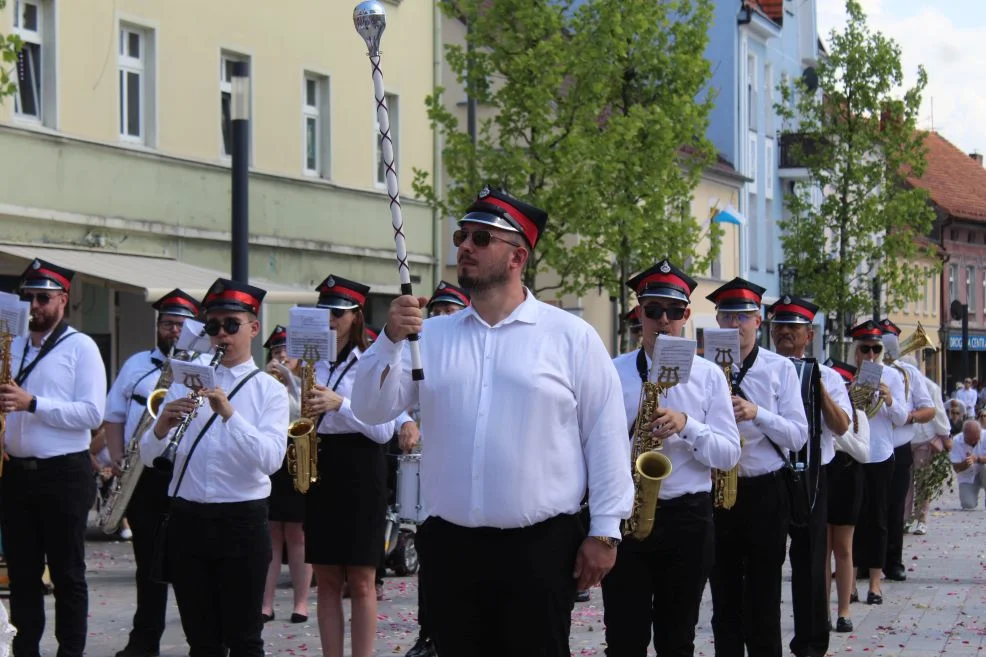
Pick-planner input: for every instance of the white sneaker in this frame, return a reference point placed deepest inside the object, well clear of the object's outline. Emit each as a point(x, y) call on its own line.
point(921, 529)
point(126, 534)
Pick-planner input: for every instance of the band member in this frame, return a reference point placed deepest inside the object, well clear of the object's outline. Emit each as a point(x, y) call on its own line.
point(844, 476)
point(791, 332)
point(752, 535)
point(920, 410)
point(658, 582)
point(47, 485)
point(287, 505)
point(126, 403)
point(218, 541)
point(346, 508)
point(870, 540)
point(522, 409)
point(447, 299)
point(634, 325)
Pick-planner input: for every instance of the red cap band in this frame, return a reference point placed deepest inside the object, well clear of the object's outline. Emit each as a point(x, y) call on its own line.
point(739, 294)
point(669, 279)
point(55, 276)
point(527, 227)
point(179, 301)
point(794, 308)
point(236, 295)
point(353, 294)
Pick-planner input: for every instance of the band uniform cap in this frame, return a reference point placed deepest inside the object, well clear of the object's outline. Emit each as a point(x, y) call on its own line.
point(498, 209)
point(792, 310)
point(737, 296)
point(341, 293)
point(663, 280)
point(889, 327)
point(178, 303)
point(448, 293)
point(845, 370)
point(233, 295)
point(43, 275)
point(633, 318)
point(868, 331)
point(278, 338)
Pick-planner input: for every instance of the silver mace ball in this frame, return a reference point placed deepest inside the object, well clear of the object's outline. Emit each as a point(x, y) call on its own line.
point(370, 19)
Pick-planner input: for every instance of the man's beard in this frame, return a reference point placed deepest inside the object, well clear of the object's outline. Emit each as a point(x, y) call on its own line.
point(42, 323)
point(164, 345)
point(496, 277)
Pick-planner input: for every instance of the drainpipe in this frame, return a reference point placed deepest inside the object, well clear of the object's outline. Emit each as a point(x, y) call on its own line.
point(437, 222)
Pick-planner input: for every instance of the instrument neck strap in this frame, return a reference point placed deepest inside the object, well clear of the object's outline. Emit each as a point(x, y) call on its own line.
point(205, 428)
point(158, 364)
point(332, 368)
point(642, 365)
point(744, 368)
point(50, 343)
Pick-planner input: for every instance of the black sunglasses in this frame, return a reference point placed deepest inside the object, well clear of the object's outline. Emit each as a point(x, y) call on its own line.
point(230, 325)
point(480, 238)
point(43, 298)
point(867, 348)
point(338, 312)
point(656, 312)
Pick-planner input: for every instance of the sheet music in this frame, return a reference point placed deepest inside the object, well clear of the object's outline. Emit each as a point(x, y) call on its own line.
point(309, 335)
point(672, 359)
point(869, 373)
point(193, 338)
point(722, 346)
point(14, 314)
point(194, 376)
point(891, 343)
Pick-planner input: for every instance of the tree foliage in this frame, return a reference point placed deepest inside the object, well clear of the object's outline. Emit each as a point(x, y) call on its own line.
point(10, 46)
point(858, 140)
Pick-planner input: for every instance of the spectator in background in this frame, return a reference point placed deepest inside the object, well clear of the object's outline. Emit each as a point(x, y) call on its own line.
point(968, 396)
point(968, 456)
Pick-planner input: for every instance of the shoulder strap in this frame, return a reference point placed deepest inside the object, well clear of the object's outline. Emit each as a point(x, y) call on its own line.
point(55, 339)
point(140, 399)
point(212, 418)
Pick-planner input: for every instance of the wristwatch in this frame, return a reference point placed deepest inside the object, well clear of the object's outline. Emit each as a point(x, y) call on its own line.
point(608, 541)
point(33, 406)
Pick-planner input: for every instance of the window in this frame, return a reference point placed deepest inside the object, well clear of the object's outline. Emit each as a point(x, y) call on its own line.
point(970, 289)
point(315, 125)
point(34, 24)
point(953, 274)
point(394, 106)
point(768, 99)
point(226, 62)
point(752, 101)
point(753, 223)
point(768, 167)
point(135, 64)
point(769, 242)
point(752, 160)
point(929, 288)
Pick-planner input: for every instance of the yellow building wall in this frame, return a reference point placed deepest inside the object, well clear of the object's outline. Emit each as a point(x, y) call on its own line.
point(927, 312)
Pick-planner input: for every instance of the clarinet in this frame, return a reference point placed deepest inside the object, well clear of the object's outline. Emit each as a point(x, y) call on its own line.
point(166, 461)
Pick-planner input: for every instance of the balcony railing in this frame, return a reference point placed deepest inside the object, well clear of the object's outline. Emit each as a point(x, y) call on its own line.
point(794, 147)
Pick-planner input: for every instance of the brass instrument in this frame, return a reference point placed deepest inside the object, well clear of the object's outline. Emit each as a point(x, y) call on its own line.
point(866, 398)
point(650, 467)
point(5, 378)
point(725, 483)
point(302, 454)
point(166, 461)
point(917, 340)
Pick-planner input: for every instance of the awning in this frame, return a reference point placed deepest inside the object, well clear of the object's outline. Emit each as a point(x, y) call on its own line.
point(150, 276)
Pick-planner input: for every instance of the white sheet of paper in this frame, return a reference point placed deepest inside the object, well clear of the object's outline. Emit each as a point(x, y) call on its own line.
point(722, 346)
point(311, 344)
point(892, 345)
point(193, 338)
point(193, 375)
point(14, 314)
point(869, 374)
point(672, 359)
point(309, 318)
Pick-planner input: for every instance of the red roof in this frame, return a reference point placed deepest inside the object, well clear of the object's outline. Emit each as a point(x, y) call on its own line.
point(773, 8)
point(955, 182)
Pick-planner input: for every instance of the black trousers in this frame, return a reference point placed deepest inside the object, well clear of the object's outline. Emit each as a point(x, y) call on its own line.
point(147, 507)
point(218, 556)
point(423, 621)
point(43, 515)
point(869, 544)
point(899, 483)
point(746, 578)
point(658, 582)
point(809, 587)
point(519, 603)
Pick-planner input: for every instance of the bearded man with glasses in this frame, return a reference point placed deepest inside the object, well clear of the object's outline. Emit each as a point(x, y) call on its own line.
point(56, 399)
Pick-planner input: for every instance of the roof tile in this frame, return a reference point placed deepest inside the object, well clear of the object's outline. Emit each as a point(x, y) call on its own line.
point(955, 182)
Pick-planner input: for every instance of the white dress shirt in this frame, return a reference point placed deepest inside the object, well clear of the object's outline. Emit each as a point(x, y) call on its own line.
point(772, 384)
point(519, 417)
point(969, 397)
point(836, 388)
point(940, 425)
point(137, 377)
point(236, 456)
point(341, 378)
point(917, 397)
point(960, 450)
point(882, 424)
point(710, 438)
point(70, 384)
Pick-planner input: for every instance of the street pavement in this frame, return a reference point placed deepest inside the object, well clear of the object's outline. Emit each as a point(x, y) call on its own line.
point(939, 610)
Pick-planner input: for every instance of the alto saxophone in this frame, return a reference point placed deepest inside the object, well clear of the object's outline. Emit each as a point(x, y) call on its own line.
point(302, 454)
point(650, 467)
point(725, 482)
point(5, 377)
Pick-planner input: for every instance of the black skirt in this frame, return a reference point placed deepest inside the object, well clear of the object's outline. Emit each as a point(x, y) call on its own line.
point(345, 510)
point(286, 504)
point(845, 482)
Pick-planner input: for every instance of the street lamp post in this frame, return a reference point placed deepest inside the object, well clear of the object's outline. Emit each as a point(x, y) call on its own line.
point(240, 153)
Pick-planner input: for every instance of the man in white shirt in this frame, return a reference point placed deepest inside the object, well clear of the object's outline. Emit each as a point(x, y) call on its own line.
point(126, 403)
point(791, 332)
point(56, 399)
point(522, 409)
point(968, 396)
point(920, 410)
point(218, 542)
point(968, 457)
point(752, 535)
point(658, 581)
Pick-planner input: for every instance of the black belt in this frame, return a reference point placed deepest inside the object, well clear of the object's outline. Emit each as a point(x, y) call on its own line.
point(684, 500)
point(545, 524)
point(217, 509)
point(764, 477)
point(31, 463)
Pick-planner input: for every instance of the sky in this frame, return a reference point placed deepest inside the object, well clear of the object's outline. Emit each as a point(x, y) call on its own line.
point(947, 37)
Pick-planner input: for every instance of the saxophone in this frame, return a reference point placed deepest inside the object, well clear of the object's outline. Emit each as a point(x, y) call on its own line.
point(302, 454)
point(725, 482)
point(650, 467)
point(5, 377)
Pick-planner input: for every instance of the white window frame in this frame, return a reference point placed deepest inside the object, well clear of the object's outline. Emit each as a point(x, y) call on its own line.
point(953, 284)
point(321, 113)
point(752, 93)
point(970, 288)
point(768, 99)
point(768, 167)
point(125, 66)
point(309, 112)
point(769, 227)
point(751, 159)
point(394, 112)
point(226, 87)
point(33, 37)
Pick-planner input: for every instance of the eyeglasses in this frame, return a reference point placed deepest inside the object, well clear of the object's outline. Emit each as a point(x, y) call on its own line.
point(742, 318)
point(230, 325)
point(169, 325)
point(41, 297)
point(867, 348)
point(656, 312)
point(480, 238)
point(337, 312)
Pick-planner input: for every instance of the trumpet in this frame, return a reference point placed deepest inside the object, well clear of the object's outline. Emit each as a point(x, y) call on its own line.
point(166, 461)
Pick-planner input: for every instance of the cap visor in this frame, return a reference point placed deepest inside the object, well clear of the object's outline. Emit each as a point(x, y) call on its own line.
point(490, 220)
point(664, 293)
point(41, 284)
point(177, 311)
point(738, 307)
point(231, 306)
point(337, 303)
point(789, 319)
point(445, 298)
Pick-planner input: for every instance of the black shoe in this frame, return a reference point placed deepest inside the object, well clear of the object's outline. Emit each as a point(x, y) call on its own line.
point(874, 598)
point(853, 597)
point(582, 596)
point(423, 647)
point(843, 624)
point(298, 618)
point(132, 651)
point(267, 617)
point(897, 574)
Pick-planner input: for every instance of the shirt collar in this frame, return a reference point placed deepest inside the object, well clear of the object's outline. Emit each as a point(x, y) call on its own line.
point(526, 312)
point(245, 367)
point(158, 354)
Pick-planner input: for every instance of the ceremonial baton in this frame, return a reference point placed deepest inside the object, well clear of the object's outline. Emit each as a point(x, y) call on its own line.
point(370, 20)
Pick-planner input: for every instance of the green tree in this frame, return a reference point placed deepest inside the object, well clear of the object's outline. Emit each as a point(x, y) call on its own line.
point(857, 137)
point(10, 46)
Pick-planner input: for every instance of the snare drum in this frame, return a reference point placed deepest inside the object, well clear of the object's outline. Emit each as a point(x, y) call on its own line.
point(409, 488)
